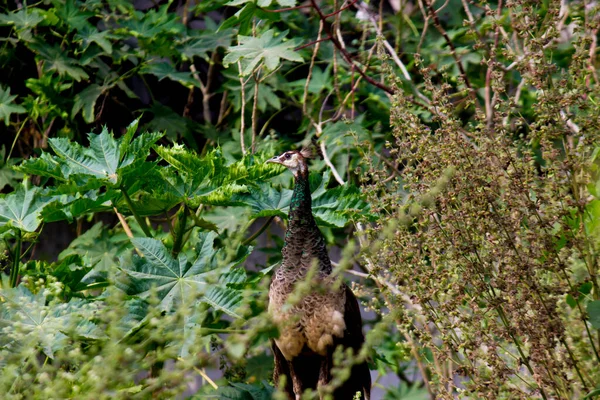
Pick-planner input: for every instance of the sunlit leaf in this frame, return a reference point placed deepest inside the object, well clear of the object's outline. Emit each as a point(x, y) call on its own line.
point(21, 209)
point(266, 50)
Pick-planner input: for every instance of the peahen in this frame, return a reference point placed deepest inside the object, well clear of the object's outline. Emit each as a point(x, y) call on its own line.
point(325, 318)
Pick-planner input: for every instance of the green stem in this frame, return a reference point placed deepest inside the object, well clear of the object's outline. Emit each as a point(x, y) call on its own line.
point(139, 219)
point(258, 232)
point(16, 138)
point(14, 272)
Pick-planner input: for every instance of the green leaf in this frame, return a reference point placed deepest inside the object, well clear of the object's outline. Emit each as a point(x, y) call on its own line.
point(265, 201)
point(70, 271)
point(7, 105)
point(164, 70)
point(86, 100)
point(176, 281)
point(153, 23)
point(332, 208)
point(223, 299)
point(243, 391)
point(21, 209)
point(25, 18)
point(593, 310)
point(201, 43)
point(173, 124)
point(102, 160)
point(243, 18)
point(592, 394)
point(32, 323)
point(89, 35)
point(70, 14)
point(43, 165)
point(265, 50)
point(71, 206)
point(228, 218)
point(191, 332)
point(187, 161)
point(98, 247)
point(9, 174)
point(56, 60)
point(126, 139)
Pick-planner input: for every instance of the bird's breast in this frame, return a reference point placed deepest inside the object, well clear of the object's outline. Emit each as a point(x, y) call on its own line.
point(313, 320)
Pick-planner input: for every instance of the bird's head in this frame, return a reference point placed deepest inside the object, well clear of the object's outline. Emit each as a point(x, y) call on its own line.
point(294, 160)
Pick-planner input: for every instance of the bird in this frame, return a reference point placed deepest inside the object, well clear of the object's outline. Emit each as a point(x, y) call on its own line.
point(325, 316)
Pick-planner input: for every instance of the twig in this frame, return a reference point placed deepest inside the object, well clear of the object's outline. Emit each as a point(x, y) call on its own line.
point(489, 103)
point(311, 43)
point(342, 9)
point(203, 374)
point(336, 175)
point(242, 122)
point(312, 65)
point(280, 10)
point(254, 113)
point(345, 55)
point(386, 44)
point(126, 228)
point(440, 28)
point(123, 222)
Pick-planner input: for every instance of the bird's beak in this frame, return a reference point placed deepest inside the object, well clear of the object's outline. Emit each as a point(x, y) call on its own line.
point(274, 160)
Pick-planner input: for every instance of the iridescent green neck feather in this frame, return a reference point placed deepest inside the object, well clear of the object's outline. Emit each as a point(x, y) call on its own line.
point(304, 243)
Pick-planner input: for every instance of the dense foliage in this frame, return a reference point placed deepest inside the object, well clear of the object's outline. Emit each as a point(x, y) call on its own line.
point(460, 182)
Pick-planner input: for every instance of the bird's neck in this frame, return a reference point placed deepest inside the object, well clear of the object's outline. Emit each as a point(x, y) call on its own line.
point(304, 243)
point(301, 203)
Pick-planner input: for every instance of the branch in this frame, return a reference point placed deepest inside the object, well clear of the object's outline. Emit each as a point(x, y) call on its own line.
point(440, 28)
point(280, 10)
point(342, 9)
point(345, 55)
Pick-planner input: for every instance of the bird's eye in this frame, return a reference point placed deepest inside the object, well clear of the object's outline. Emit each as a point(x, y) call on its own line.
point(287, 156)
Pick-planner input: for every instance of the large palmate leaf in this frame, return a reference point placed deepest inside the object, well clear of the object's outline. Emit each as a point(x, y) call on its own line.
point(70, 207)
point(26, 320)
point(21, 209)
point(106, 159)
point(8, 106)
point(179, 281)
point(199, 180)
point(266, 49)
point(331, 207)
point(23, 20)
point(266, 201)
point(55, 60)
point(153, 23)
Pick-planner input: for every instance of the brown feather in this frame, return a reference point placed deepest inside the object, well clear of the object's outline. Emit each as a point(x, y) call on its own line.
point(312, 328)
